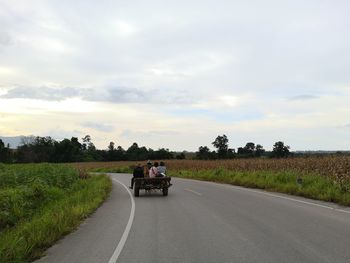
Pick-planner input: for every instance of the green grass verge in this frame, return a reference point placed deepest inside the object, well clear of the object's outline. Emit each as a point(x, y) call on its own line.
point(27, 188)
point(312, 186)
point(28, 239)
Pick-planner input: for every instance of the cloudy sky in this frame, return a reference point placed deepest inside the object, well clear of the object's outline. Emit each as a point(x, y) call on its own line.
point(176, 74)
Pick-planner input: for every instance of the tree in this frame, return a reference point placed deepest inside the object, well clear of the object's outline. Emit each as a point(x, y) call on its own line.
point(89, 149)
point(259, 150)
point(120, 154)
point(135, 153)
point(36, 149)
point(180, 156)
point(86, 140)
point(111, 151)
point(68, 150)
point(231, 153)
point(221, 144)
point(203, 153)
point(249, 147)
point(280, 150)
point(250, 150)
point(5, 154)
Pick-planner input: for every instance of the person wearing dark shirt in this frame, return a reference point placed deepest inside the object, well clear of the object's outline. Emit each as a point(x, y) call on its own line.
point(138, 173)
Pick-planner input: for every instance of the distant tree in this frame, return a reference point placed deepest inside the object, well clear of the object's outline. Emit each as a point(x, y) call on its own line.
point(249, 148)
point(180, 156)
point(111, 152)
point(26, 140)
point(259, 150)
point(68, 151)
point(203, 153)
point(136, 153)
point(36, 149)
point(221, 144)
point(120, 154)
point(111, 147)
point(240, 150)
point(161, 153)
point(2, 144)
point(89, 150)
point(142, 153)
point(231, 153)
point(86, 140)
point(280, 150)
point(5, 153)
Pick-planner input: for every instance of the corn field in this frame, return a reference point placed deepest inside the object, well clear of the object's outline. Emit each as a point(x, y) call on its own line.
point(336, 168)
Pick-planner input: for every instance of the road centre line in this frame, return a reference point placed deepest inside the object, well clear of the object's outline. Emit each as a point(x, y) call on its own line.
point(192, 191)
point(122, 241)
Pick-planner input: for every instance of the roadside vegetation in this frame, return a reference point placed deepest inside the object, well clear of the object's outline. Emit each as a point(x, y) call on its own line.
point(290, 182)
point(323, 178)
point(39, 203)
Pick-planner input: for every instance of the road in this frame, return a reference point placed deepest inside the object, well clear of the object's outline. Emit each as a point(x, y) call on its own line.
point(207, 222)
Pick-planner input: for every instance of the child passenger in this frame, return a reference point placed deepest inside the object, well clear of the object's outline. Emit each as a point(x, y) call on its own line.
point(161, 169)
point(153, 171)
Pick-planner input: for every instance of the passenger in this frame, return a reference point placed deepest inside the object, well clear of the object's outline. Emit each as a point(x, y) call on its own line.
point(161, 169)
point(153, 170)
point(147, 167)
point(138, 173)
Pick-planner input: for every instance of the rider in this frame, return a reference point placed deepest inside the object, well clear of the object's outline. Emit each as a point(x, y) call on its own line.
point(147, 167)
point(138, 173)
point(153, 170)
point(161, 169)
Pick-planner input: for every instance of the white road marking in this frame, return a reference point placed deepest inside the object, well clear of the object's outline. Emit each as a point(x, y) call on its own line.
point(122, 241)
point(192, 191)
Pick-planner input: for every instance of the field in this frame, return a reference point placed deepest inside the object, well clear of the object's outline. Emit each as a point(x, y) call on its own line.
point(41, 202)
point(325, 178)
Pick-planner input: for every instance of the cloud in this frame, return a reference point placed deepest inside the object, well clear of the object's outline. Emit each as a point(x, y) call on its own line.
point(5, 39)
point(41, 93)
point(60, 134)
point(346, 126)
point(198, 69)
point(147, 134)
point(303, 97)
point(98, 126)
point(117, 95)
point(125, 29)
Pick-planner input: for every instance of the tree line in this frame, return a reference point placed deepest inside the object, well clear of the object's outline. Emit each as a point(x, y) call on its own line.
point(250, 150)
point(46, 149)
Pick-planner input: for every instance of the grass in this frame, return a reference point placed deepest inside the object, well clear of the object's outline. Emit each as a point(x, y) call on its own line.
point(41, 203)
point(324, 178)
point(311, 186)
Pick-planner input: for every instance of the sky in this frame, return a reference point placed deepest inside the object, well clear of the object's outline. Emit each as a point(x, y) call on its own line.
point(176, 74)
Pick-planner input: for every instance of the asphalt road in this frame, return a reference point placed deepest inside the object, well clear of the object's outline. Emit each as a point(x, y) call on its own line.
point(207, 222)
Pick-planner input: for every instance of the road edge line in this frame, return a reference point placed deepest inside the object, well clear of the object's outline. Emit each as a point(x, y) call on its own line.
point(125, 235)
